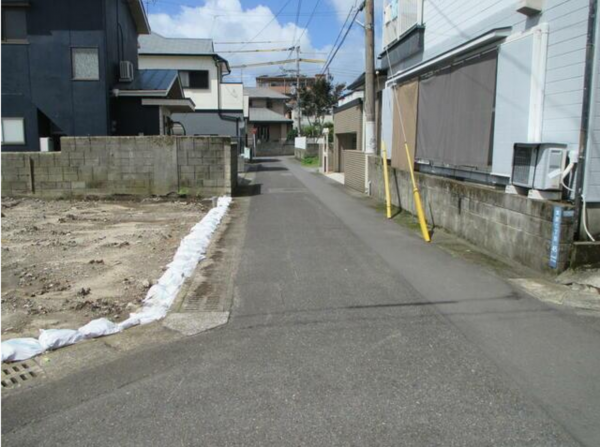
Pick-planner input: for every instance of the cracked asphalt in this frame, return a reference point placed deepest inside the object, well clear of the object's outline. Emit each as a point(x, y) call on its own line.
point(346, 329)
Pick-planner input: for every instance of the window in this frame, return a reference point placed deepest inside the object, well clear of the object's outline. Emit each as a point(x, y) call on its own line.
point(184, 77)
point(14, 24)
point(199, 79)
point(399, 17)
point(13, 131)
point(194, 79)
point(86, 66)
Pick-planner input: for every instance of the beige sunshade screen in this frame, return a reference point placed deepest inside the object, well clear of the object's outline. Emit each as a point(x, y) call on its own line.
point(405, 108)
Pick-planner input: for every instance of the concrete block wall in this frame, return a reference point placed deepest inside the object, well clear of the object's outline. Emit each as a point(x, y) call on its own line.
point(514, 227)
point(273, 149)
point(312, 150)
point(148, 165)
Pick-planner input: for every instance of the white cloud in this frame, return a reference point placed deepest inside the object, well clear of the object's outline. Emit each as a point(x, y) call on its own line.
point(227, 21)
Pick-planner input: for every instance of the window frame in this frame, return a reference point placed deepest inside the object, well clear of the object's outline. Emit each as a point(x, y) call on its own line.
point(186, 74)
point(13, 143)
point(4, 40)
point(73, 49)
point(397, 21)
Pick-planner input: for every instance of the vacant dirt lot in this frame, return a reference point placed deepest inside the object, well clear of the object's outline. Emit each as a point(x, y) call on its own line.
point(67, 262)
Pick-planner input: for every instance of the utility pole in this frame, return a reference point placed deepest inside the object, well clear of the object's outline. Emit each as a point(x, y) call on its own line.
point(298, 90)
point(371, 137)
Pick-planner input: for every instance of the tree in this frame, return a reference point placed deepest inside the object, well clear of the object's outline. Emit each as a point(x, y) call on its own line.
point(317, 100)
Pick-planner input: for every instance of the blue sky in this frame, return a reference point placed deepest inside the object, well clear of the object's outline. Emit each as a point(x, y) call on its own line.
point(242, 20)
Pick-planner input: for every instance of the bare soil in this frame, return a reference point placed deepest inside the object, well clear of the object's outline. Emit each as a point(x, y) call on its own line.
point(66, 262)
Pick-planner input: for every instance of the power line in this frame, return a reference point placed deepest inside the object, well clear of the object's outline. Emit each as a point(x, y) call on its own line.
point(341, 31)
point(343, 38)
point(267, 25)
point(297, 19)
point(312, 14)
point(226, 12)
point(256, 42)
point(260, 50)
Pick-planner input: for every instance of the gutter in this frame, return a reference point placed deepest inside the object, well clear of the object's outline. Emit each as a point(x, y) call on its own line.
point(585, 115)
point(227, 117)
point(137, 93)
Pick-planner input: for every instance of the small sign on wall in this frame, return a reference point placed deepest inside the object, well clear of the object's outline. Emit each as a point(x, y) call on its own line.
point(555, 245)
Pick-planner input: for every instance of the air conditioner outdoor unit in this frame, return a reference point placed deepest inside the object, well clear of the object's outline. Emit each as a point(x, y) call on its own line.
point(46, 144)
point(530, 7)
point(126, 71)
point(539, 165)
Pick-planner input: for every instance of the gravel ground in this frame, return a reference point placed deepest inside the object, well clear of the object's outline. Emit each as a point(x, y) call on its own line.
point(66, 262)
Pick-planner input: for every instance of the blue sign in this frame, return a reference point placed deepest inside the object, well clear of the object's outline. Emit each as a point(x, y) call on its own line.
point(555, 246)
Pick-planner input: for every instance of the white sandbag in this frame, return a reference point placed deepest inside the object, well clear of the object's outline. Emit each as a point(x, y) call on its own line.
point(130, 322)
point(19, 349)
point(57, 338)
point(99, 328)
point(158, 300)
point(192, 250)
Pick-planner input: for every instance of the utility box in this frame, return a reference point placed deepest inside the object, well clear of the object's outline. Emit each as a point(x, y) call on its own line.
point(46, 144)
point(539, 165)
point(530, 7)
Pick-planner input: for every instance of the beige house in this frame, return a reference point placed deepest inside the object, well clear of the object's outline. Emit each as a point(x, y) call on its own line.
point(267, 124)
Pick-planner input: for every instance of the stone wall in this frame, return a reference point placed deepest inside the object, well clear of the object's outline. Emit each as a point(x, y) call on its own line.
point(273, 149)
point(514, 227)
point(146, 165)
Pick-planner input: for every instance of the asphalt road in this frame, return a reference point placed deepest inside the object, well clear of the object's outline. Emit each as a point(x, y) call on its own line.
point(346, 329)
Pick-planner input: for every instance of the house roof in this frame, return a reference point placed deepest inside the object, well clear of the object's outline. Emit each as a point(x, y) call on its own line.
point(264, 115)
point(359, 82)
point(263, 92)
point(149, 83)
point(138, 12)
point(159, 45)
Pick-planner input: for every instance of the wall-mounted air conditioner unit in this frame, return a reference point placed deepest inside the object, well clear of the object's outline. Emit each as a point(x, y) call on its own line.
point(46, 144)
point(126, 71)
point(530, 7)
point(539, 165)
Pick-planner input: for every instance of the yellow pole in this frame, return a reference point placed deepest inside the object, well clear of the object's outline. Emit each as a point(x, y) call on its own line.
point(386, 179)
point(417, 196)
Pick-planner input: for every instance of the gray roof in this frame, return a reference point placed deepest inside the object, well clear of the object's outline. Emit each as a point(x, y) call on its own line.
point(151, 80)
point(156, 44)
point(264, 115)
point(263, 92)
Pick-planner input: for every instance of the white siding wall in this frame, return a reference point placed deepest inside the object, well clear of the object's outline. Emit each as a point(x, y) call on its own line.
point(204, 99)
point(232, 96)
point(591, 188)
point(449, 23)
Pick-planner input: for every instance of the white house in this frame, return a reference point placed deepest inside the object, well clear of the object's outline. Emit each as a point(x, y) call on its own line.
point(219, 105)
point(485, 90)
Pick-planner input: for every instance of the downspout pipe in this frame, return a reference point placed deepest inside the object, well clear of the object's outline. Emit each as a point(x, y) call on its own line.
point(227, 117)
point(585, 114)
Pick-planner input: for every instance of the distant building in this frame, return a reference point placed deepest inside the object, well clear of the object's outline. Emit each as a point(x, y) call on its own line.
point(285, 83)
point(267, 123)
point(219, 105)
point(71, 69)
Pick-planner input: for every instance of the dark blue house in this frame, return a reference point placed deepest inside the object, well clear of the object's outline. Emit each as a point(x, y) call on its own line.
point(70, 68)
